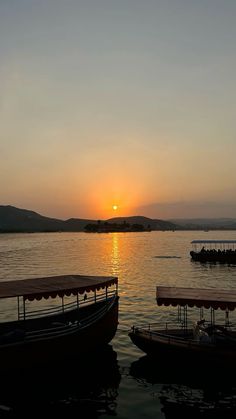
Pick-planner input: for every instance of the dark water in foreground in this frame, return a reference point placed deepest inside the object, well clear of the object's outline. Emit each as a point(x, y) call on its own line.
point(121, 381)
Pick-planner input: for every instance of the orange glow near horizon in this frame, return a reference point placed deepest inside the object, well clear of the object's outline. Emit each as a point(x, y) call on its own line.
point(113, 197)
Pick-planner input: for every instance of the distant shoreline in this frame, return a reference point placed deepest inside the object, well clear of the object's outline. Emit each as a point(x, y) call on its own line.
point(17, 220)
point(111, 231)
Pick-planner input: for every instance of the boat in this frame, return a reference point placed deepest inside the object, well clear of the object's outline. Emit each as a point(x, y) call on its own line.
point(202, 340)
point(53, 332)
point(222, 251)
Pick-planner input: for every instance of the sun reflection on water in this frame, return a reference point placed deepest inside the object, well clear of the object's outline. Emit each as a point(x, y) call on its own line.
point(115, 255)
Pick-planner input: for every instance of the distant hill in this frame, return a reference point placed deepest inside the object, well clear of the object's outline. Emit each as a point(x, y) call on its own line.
point(21, 220)
point(76, 224)
point(205, 223)
point(14, 219)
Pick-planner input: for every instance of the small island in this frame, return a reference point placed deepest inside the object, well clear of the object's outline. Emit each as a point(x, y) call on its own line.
point(106, 227)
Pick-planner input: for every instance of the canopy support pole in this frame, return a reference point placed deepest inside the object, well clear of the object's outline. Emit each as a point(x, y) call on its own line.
point(185, 316)
point(62, 303)
point(77, 297)
point(18, 307)
point(179, 314)
point(24, 308)
point(227, 317)
point(212, 316)
point(201, 313)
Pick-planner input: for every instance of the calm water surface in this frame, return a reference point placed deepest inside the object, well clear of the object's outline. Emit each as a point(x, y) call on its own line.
point(128, 386)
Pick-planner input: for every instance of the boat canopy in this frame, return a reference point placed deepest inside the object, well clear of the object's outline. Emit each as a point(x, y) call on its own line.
point(199, 297)
point(38, 288)
point(213, 242)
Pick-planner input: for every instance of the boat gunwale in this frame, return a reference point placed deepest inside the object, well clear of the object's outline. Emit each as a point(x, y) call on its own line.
point(173, 340)
point(170, 339)
point(63, 330)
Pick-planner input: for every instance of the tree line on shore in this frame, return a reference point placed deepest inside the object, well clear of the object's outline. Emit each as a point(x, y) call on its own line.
point(105, 227)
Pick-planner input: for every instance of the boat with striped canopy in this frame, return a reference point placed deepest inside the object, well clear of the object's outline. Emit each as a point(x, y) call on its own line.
point(222, 251)
point(58, 329)
point(184, 338)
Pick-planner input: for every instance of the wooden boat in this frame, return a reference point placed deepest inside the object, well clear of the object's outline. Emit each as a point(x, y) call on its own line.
point(222, 251)
point(204, 340)
point(54, 333)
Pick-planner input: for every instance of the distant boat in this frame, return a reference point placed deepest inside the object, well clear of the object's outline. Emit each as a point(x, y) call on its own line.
point(204, 341)
point(222, 251)
point(61, 331)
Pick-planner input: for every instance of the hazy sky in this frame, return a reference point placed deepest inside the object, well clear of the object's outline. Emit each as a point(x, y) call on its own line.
point(125, 102)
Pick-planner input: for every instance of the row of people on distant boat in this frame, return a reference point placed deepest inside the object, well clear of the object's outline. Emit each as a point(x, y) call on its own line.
point(225, 255)
point(219, 251)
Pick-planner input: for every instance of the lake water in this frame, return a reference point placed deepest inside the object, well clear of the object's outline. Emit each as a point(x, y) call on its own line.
point(127, 386)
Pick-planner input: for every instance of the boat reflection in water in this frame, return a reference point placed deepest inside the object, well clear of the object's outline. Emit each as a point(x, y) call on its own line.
point(72, 388)
point(187, 391)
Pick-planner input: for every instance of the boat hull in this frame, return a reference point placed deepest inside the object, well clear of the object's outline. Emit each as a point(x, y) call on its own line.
point(71, 342)
point(183, 350)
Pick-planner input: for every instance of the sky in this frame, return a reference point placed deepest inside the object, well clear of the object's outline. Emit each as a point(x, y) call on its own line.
point(128, 103)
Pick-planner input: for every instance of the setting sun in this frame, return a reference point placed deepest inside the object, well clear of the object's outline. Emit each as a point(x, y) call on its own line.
point(115, 207)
